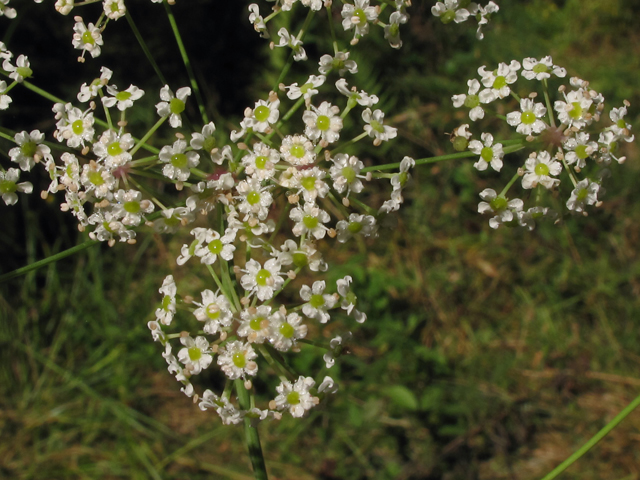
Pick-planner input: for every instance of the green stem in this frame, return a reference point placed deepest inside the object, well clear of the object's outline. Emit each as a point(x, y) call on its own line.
point(508, 186)
point(187, 63)
point(595, 439)
point(547, 100)
point(46, 261)
point(146, 137)
point(251, 434)
point(350, 142)
point(145, 49)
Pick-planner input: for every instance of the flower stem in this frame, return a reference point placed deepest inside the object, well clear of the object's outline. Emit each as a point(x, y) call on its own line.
point(46, 261)
point(595, 439)
point(187, 63)
point(147, 135)
point(251, 434)
point(145, 49)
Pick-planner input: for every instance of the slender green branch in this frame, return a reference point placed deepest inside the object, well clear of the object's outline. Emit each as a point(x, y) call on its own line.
point(146, 137)
point(547, 100)
point(594, 440)
point(508, 186)
point(46, 261)
point(145, 49)
point(251, 434)
point(187, 63)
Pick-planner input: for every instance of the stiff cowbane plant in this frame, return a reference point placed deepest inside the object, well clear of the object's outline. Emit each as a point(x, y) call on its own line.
point(256, 203)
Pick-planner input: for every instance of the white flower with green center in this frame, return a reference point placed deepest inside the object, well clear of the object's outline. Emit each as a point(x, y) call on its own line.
point(5, 100)
point(131, 207)
point(7, 11)
point(255, 325)
point(349, 299)
point(310, 219)
point(112, 149)
point(578, 149)
point(114, 9)
point(264, 114)
point(285, 331)
point(323, 122)
point(585, 193)
point(70, 177)
point(473, 100)
point(64, 7)
point(156, 331)
point(307, 89)
point(29, 150)
point(498, 81)
point(9, 186)
point(620, 127)
point(340, 62)
point(482, 14)
point(236, 359)
point(376, 128)
point(398, 182)
point(87, 92)
point(188, 251)
point(180, 373)
point(504, 210)
point(76, 127)
point(528, 219)
point(296, 397)
point(362, 98)
point(288, 40)
point(195, 354)
point(449, 11)
point(541, 69)
point(336, 346)
point(345, 173)
point(255, 199)
point(317, 301)
point(257, 21)
point(358, 16)
point(207, 141)
point(228, 413)
point(178, 161)
point(215, 311)
point(262, 280)
point(392, 29)
point(87, 38)
point(173, 106)
point(20, 70)
point(490, 153)
point(261, 161)
point(576, 110)
point(297, 150)
point(98, 179)
point(213, 246)
point(124, 99)
point(305, 255)
point(364, 225)
point(315, 5)
point(539, 170)
point(310, 184)
point(74, 204)
point(527, 121)
point(108, 227)
point(171, 219)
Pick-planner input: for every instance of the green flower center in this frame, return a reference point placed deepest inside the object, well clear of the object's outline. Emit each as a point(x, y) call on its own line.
point(216, 246)
point(172, 221)
point(323, 122)
point(309, 183)
point(498, 204)
point(349, 173)
point(582, 194)
point(239, 360)
point(297, 150)
point(576, 111)
point(540, 68)
point(253, 197)
point(351, 298)
point(362, 17)
point(77, 126)
point(122, 96)
point(29, 149)
point(195, 353)
point(261, 113)
point(293, 398)
point(394, 29)
point(261, 162)
point(354, 227)
point(96, 178)
point(114, 149)
point(337, 63)
point(286, 330)
point(213, 311)
point(209, 144)
point(262, 277)
point(460, 144)
point(166, 301)
point(176, 106)
point(581, 151)
point(487, 154)
point(528, 118)
point(179, 160)
point(472, 101)
point(377, 126)
point(106, 226)
point(25, 72)
point(88, 38)
point(132, 207)
point(305, 88)
point(300, 259)
point(448, 16)
point(541, 169)
point(310, 222)
point(621, 123)
point(256, 323)
point(7, 186)
point(316, 301)
point(499, 82)
point(114, 7)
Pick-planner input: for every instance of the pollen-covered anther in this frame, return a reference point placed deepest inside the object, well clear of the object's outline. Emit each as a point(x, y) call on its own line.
point(533, 94)
point(273, 96)
point(184, 222)
point(223, 336)
point(562, 88)
point(85, 150)
point(520, 171)
point(111, 242)
point(293, 198)
point(196, 398)
point(283, 310)
point(291, 274)
point(179, 135)
point(332, 232)
point(92, 105)
point(188, 299)
point(122, 123)
point(243, 146)
point(272, 405)
point(44, 194)
point(184, 334)
point(245, 300)
point(81, 228)
point(247, 383)
point(214, 347)
point(179, 187)
point(236, 268)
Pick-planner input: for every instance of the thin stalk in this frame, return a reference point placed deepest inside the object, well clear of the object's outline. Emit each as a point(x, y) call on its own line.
point(594, 440)
point(46, 261)
point(508, 186)
point(145, 49)
point(187, 63)
point(147, 135)
point(547, 100)
point(350, 142)
point(251, 434)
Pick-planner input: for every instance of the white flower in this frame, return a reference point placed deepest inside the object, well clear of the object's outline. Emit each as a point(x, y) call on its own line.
point(64, 6)
point(87, 38)
point(585, 193)
point(20, 70)
point(172, 218)
point(362, 98)
point(482, 14)
point(215, 245)
point(236, 359)
point(449, 11)
point(540, 168)
point(340, 62)
point(310, 183)
point(9, 186)
point(165, 313)
point(620, 127)
point(528, 120)
point(376, 128)
point(345, 173)
point(285, 331)
point(364, 225)
point(131, 206)
point(207, 141)
point(297, 150)
point(98, 179)
point(255, 199)
point(307, 89)
point(76, 127)
point(123, 99)
point(541, 69)
point(317, 301)
point(392, 29)
point(114, 9)
point(296, 397)
point(337, 346)
point(305, 255)
point(108, 227)
point(5, 100)
point(228, 413)
point(473, 100)
point(578, 149)
point(178, 162)
point(264, 114)
point(358, 16)
point(87, 92)
point(172, 106)
point(256, 322)
point(29, 150)
point(503, 208)
point(215, 311)
point(195, 354)
point(528, 219)
point(261, 161)
point(309, 219)
point(258, 22)
point(112, 149)
point(575, 111)
point(498, 81)
point(7, 11)
point(489, 153)
point(323, 122)
point(262, 280)
point(349, 299)
point(288, 40)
